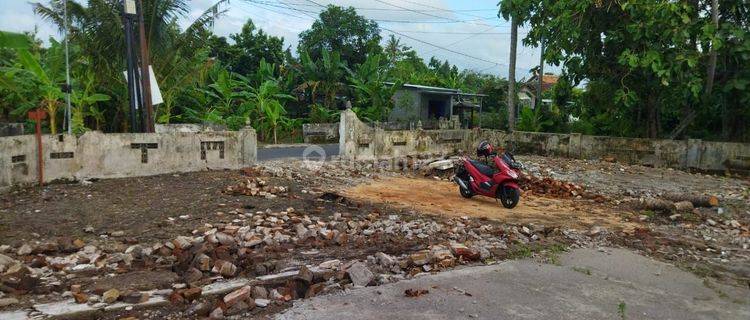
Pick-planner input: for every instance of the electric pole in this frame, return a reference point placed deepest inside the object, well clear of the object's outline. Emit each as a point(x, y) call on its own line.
point(148, 125)
point(129, 14)
point(540, 75)
point(512, 75)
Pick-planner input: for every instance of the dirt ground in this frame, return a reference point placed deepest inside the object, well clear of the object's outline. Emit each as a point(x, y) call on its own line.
point(382, 211)
point(442, 197)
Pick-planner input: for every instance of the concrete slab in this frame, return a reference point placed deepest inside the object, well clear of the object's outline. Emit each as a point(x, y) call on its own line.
point(65, 309)
point(588, 284)
point(14, 315)
point(224, 287)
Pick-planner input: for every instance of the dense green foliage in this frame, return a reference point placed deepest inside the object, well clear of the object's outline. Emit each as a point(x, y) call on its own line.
point(645, 63)
point(247, 78)
point(630, 68)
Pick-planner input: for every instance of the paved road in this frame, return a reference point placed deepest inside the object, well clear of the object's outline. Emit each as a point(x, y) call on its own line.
point(295, 151)
point(588, 284)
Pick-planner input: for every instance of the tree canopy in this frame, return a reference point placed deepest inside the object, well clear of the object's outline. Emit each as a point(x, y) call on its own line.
point(341, 30)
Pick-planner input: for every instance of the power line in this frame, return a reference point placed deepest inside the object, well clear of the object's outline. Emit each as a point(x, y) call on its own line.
point(400, 34)
point(464, 39)
point(259, 5)
point(288, 6)
point(395, 10)
point(415, 11)
point(440, 47)
point(439, 8)
point(452, 32)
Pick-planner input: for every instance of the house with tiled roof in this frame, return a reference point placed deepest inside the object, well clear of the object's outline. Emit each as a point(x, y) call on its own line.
point(527, 93)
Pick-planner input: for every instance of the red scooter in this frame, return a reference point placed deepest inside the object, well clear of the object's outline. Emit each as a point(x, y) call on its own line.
point(474, 177)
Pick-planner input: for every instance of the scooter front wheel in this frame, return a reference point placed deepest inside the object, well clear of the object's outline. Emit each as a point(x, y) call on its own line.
point(466, 193)
point(509, 196)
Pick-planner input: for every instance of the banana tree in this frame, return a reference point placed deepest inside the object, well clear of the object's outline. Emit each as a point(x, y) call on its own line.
point(326, 75)
point(84, 100)
point(47, 77)
point(373, 95)
point(268, 100)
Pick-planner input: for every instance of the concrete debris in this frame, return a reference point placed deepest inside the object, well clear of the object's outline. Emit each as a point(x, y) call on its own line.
point(360, 274)
point(336, 244)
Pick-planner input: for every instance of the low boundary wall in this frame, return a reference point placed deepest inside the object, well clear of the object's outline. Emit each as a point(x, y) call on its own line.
point(116, 155)
point(320, 132)
point(360, 141)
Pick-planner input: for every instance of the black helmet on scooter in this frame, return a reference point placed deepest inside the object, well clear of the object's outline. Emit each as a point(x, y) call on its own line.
point(485, 149)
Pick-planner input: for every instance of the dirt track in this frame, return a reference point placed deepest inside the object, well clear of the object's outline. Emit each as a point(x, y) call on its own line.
point(442, 197)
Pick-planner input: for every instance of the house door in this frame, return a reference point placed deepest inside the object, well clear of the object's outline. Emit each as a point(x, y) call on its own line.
point(437, 109)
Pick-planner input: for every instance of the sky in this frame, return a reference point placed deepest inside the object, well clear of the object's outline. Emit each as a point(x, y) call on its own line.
point(477, 39)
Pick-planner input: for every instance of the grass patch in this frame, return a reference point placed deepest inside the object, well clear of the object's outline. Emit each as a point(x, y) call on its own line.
point(520, 251)
point(621, 310)
point(585, 271)
point(549, 252)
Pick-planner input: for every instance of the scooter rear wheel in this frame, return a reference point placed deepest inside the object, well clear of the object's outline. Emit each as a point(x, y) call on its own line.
point(509, 197)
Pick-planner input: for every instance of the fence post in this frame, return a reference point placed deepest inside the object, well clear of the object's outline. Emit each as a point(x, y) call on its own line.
point(574, 146)
point(694, 153)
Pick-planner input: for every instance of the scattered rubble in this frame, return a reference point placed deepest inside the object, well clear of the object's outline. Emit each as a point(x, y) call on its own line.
point(309, 240)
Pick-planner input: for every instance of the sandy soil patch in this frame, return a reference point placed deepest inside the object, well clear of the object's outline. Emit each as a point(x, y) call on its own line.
point(442, 197)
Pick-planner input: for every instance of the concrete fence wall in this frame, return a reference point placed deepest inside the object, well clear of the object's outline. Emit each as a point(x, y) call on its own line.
point(320, 132)
point(99, 155)
point(359, 141)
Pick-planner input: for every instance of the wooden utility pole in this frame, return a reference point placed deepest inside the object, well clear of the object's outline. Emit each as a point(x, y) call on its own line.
point(148, 122)
point(512, 75)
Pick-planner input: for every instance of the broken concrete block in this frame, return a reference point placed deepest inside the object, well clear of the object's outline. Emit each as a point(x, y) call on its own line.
point(420, 258)
point(237, 295)
point(360, 274)
point(25, 249)
point(385, 260)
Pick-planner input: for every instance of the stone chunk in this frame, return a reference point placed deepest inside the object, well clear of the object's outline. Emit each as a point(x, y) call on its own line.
point(385, 260)
point(237, 295)
point(262, 302)
point(111, 295)
point(360, 274)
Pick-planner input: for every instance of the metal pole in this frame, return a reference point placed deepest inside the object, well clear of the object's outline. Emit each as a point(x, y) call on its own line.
point(131, 64)
point(512, 75)
point(541, 75)
point(148, 126)
point(67, 70)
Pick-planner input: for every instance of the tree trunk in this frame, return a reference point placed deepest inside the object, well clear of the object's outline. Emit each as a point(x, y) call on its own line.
point(274, 136)
point(51, 112)
point(696, 200)
point(512, 75)
point(653, 204)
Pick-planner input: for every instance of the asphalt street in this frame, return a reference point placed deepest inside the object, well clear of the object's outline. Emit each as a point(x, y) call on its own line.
point(313, 151)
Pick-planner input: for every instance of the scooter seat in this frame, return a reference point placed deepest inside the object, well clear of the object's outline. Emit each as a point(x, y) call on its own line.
point(483, 168)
